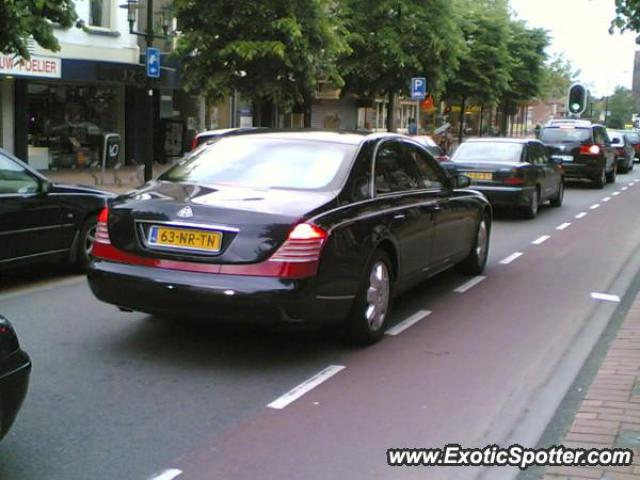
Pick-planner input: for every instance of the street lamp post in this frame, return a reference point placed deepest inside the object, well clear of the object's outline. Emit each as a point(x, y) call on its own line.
point(132, 6)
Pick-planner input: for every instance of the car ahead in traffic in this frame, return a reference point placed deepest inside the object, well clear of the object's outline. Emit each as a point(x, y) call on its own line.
point(15, 367)
point(624, 151)
point(634, 139)
point(432, 147)
point(294, 227)
point(209, 135)
point(583, 148)
point(511, 172)
point(42, 220)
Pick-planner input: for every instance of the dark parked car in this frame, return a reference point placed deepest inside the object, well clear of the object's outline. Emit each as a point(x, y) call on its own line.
point(625, 153)
point(432, 147)
point(41, 220)
point(634, 139)
point(15, 367)
point(511, 172)
point(209, 135)
point(583, 148)
point(315, 227)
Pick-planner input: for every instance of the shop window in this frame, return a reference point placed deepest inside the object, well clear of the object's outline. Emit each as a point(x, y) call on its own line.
point(68, 123)
point(100, 13)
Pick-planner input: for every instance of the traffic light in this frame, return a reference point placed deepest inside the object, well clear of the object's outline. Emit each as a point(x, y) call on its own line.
point(577, 102)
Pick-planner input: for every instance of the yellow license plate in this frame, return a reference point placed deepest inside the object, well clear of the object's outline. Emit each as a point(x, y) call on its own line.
point(479, 175)
point(185, 238)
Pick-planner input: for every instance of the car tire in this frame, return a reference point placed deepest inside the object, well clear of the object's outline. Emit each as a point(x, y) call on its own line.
point(559, 198)
point(624, 169)
point(601, 180)
point(85, 242)
point(476, 261)
point(611, 176)
point(370, 312)
point(531, 210)
point(631, 165)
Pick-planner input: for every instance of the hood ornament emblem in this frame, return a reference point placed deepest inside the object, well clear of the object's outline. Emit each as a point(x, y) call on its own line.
point(185, 212)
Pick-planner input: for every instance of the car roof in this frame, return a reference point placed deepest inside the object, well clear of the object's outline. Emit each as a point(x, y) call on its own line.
point(569, 121)
point(349, 137)
point(502, 140)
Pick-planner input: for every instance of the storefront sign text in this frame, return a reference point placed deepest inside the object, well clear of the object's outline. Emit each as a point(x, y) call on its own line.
point(43, 67)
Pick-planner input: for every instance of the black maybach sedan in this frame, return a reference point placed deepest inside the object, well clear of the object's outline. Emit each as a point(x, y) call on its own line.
point(314, 227)
point(42, 220)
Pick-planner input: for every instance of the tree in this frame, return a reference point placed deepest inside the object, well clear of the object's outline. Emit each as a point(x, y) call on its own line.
point(272, 52)
point(484, 67)
point(527, 48)
point(621, 106)
point(627, 16)
point(557, 77)
point(21, 19)
point(394, 40)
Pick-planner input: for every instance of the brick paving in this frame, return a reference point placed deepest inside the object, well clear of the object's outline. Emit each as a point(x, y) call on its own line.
point(610, 413)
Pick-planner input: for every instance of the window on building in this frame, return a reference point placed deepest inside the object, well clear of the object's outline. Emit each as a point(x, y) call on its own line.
point(100, 13)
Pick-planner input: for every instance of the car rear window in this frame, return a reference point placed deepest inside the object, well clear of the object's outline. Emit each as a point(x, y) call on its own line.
point(266, 163)
point(488, 152)
point(632, 137)
point(565, 134)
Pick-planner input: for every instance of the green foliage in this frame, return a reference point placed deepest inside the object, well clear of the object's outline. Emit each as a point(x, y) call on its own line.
point(627, 16)
point(20, 19)
point(557, 77)
point(622, 106)
point(484, 66)
point(269, 50)
point(394, 40)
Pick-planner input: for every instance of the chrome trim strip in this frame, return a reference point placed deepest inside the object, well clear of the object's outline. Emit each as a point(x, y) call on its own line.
point(50, 252)
point(335, 297)
point(36, 229)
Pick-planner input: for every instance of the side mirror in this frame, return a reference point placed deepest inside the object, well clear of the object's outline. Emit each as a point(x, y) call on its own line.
point(45, 186)
point(461, 181)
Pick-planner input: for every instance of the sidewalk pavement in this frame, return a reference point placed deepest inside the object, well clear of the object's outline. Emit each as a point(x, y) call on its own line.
point(610, 413)
point(117, 181)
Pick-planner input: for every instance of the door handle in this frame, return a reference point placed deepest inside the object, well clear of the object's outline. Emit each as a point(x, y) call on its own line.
point(399, 216)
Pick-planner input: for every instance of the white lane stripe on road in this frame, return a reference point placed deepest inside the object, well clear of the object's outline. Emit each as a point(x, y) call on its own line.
point(306, 386)
point(581, 215)
point(470, 284)
point(615, 194)
point(169, 474)
point(624, 188)
point(606, 199)
point(510, 258)
point(594, 206)
point(605, 297)
point(541, 239)
point(562, 226)
point(409, 322)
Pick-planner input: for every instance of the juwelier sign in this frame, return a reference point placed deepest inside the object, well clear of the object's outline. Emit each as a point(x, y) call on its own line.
point(37, 66)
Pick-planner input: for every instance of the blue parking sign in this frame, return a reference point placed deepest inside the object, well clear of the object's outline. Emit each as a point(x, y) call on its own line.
point(418, 88)
point(153, 62)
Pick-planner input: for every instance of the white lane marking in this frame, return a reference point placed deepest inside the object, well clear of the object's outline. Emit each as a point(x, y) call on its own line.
point(606, 199)
point(605, 296)
point(624, 188)
point(615, 194)
point(169, 474)
point(594, 206)
point(470, 284)
point(562, 226)
point(306, 386)
point(409, 322)
point(581, 215)
point(541, 239)
point(510, 258)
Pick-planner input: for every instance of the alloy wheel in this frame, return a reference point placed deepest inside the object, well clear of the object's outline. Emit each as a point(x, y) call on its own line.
point(482, 242)
point(89, 239)
point(378, 293)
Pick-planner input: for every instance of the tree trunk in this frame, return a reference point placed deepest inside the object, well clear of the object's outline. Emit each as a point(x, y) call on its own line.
point(481, 118)
point(307, 111)
point(391, 113)
point(461, 129)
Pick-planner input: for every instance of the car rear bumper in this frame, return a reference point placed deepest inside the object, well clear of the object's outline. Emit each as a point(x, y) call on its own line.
point(216, 297)
point(14, 381)
point(506, 196)
point(582, 170)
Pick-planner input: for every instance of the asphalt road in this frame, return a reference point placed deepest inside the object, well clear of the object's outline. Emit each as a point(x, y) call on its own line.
point(128, 396)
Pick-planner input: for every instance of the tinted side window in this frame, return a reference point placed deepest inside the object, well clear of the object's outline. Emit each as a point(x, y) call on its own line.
point(394, 171)
point(14, 178)
point(599, 135)
point(359, 185)
point(431, 175)
point(537, 154)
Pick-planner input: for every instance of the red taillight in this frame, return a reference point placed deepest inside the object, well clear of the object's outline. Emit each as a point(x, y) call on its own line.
point(303, 245)
point(102, 228)
point(194, 142)
point(514, 178)
point(589, 150)
point(619, 151)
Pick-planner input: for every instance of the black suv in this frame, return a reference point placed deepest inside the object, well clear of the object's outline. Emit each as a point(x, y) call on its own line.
point(583, 148)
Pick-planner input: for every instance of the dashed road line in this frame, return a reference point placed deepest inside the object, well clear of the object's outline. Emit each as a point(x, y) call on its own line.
point(615, 194)
point(624, 188)
point(594, 206)
point(605, 297)
point(541, 239)
point(606, 199)
point(510, 258)
point(562, 226)
point(305, 387)
point(581, 215)
point(169, 474)
point(470, 284)
point(409, 322)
